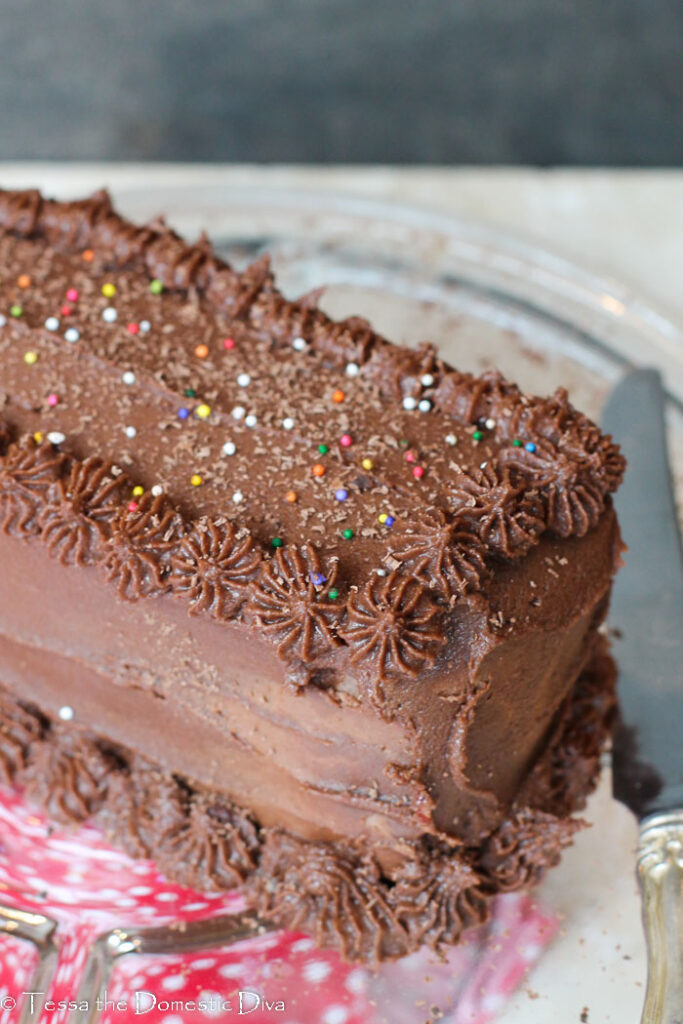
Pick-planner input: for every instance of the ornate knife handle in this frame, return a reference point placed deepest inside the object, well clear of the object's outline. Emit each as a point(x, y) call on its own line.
point(660, 871)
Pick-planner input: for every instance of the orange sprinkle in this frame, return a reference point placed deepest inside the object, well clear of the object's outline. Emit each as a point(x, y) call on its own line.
point(291, 496)
point(201, 351)
point(318, 470)
point(88, 255)
point(338, 396)
point(24, 281)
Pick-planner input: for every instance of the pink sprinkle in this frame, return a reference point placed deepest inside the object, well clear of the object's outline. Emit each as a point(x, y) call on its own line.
point(72, 295)
point(346, 440)
point(52, 399)
point(133, 328)
point(66, 310)
point(410, 457)
point(418, 472)
point(228, 343)
point(132, 506)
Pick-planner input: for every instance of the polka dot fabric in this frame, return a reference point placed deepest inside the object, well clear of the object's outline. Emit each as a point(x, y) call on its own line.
point(89, 888)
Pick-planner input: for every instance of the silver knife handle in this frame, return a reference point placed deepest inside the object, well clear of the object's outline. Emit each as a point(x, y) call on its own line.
point(660, 871)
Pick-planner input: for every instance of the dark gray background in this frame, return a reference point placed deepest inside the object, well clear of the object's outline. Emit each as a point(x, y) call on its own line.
point(424, 81)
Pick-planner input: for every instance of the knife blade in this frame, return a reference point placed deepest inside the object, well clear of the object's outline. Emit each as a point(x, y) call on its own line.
point(647, 613)
point(647, 604)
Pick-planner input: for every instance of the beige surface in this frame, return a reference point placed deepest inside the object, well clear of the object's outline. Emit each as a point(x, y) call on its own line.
point(628, 225)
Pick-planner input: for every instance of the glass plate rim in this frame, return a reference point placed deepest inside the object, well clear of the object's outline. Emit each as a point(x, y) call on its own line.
point(607, 312)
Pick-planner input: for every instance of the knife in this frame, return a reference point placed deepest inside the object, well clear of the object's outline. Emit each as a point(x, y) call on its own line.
point(647, 616)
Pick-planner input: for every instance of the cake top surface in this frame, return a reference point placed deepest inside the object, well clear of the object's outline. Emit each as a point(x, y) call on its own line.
point(315, 445)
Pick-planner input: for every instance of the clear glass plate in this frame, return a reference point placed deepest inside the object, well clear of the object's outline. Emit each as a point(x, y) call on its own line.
point(486, 300)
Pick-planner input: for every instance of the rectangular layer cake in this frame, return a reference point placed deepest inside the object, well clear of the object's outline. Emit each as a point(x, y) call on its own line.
point(285, 605)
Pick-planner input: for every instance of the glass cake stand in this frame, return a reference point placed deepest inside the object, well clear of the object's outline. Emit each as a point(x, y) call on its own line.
point(486, 300)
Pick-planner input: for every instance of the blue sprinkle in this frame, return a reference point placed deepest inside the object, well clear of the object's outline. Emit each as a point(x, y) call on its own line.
point(341, 494)
point(530, 446)
point(183, 413)
point(389, 521)
point(317, 579)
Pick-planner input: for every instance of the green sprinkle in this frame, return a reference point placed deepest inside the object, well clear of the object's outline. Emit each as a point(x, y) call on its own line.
point(517, 443)
point(477, 435)
point(323, 449)
point(403, 443)
point(347, 534)
point(156, 287)
point(333, 594)
point(15, 311)
point(190, 393)
point(277, 542)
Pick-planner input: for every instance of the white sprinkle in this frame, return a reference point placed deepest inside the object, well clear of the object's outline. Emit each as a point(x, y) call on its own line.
point(299, 344)
point(288, 423)
point(409, 403)
point(3, 320)
point(381, 572)
point(238, 412)
point(52, 324)
point(483, 465)
point(66, 713)
point(130, 431)
point(128, 377)
point(56, 437)
point(427, 380)
point(490, 424)
point(237, 497)
point(424, 405)
point(110, 315)
point(251, 420)
point(157, 490)
point(71, 334)
point(145, 326)
point(244, 380)
point(229, 448)
point(352, 369)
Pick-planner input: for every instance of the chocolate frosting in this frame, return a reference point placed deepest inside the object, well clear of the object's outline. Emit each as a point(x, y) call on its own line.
point(496, 468)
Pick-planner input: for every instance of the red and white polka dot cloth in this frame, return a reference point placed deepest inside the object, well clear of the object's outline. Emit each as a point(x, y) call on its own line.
point(89, 888)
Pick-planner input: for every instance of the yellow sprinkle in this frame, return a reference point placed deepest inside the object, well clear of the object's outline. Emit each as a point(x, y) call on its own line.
point(30, 358)
point(109, 290)
point(39, 437)
point(203, 411)
point(195, 480)
point(382, 518)
point(138, 491)
point(366, 463)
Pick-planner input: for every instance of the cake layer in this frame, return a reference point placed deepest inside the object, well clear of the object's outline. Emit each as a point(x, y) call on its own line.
point(319, 762)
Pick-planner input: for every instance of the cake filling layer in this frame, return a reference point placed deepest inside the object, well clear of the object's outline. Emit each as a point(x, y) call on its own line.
point(321, 763)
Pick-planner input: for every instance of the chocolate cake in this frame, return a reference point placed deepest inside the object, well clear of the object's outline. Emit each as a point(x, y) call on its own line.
point(284, 605)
